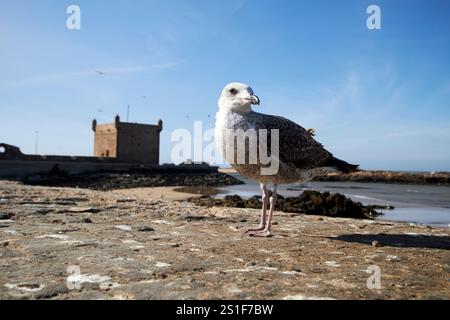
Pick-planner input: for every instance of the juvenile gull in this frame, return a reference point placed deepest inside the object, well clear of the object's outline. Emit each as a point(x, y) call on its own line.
point(300, 157)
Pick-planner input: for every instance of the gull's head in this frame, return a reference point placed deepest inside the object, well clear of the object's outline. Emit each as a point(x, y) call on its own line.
point(237, 97)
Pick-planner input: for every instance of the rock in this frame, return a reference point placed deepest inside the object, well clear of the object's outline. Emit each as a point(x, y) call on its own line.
point(309, 202)
point(376, 243)
point(42, 211)
point(332, 264)
point(5, 216)
point(126, 200)
point(4, 243)
point(83, 210)
point(190, 218)
point(123, 228)
point(145, 229)
point(392, 258)
point(108, 181)
point(87, 220)
point(162, 265)
point(438, 178)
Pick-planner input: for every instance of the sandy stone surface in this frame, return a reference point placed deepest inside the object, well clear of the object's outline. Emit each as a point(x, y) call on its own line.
point(58, 243)
point(158, 193)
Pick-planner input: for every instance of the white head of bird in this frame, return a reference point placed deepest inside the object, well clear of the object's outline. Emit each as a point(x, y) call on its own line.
point(237, 97)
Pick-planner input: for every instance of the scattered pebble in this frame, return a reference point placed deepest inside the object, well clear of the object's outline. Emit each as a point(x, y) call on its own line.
point(42, 211)
point(125, 200)
point(25, 287)
point(5, 216)
point(77, 280)
point(83, 209)
point(291, 273)
point(145, 229)
point(332, 264)
point(392, 258)
point(4, 243)
point(123, 228)
point(162, 265)
point(53, 236)
point(376, 243)
point(10, 231)
point(129, 241)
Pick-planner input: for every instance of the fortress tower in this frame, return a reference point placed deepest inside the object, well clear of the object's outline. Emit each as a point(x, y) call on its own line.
point(133, 142)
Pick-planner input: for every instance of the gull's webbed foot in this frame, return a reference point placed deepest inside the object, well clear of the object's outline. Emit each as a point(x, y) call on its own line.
point(257, 229)
point(261, 234)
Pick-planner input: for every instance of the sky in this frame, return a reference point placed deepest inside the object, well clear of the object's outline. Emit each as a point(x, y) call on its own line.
point(378, 98)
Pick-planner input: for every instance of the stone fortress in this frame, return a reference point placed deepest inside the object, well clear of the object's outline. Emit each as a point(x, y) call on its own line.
point(118, 147)
point(127, 141)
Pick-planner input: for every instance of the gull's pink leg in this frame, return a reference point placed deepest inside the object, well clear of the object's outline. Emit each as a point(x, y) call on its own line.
point(267, 231)
point(262, 224)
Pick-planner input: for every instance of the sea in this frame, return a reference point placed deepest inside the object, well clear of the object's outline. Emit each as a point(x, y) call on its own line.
point(418, 204)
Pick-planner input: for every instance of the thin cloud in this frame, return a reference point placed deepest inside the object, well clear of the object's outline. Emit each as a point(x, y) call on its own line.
point(114, 71)
point(238, 5)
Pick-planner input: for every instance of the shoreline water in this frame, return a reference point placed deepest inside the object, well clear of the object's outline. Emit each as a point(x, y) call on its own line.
point(380, 176)
point(421, 204)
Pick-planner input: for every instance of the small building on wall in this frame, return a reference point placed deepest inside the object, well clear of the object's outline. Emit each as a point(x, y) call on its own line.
point(133, 142)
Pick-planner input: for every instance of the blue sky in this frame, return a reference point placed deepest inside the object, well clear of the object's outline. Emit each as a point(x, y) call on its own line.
point(379, 98)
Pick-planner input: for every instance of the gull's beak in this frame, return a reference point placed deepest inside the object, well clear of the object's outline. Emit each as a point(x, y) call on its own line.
point(254, 100)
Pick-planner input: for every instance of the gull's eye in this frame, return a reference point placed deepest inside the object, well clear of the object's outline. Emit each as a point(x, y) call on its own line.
point(233, 91)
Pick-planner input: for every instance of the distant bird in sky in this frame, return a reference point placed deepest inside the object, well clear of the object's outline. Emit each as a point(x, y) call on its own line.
point(300, 157)
point(99, 72)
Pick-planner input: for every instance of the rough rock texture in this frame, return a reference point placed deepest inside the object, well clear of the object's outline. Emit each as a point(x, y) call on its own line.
point(308, 202)
point(439, 178)
point(111, 181)
point(58, 243)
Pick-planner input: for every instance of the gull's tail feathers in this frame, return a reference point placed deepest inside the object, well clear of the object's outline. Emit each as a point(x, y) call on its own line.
point(342, 166)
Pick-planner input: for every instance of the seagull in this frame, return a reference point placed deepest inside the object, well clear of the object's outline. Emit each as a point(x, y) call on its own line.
point(100, 73)
point(300, 157)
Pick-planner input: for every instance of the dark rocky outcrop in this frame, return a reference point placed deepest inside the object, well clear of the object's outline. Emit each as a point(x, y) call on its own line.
point(439, 178)
point(111, 181)
point(309, 202)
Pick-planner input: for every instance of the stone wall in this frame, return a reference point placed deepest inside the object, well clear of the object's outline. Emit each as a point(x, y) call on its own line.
point(15, 164)
point(138, 142)
point(105, 141)
point(133, 142)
